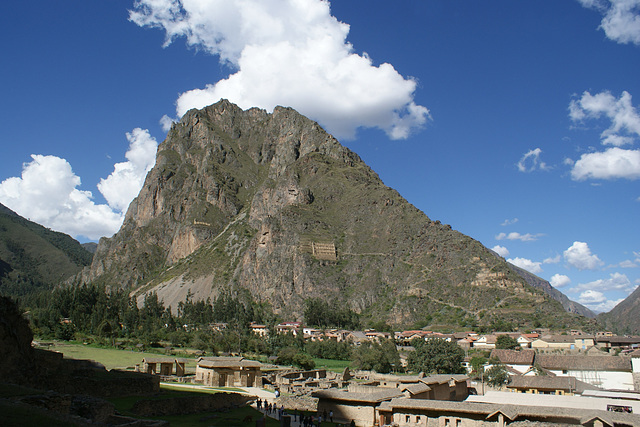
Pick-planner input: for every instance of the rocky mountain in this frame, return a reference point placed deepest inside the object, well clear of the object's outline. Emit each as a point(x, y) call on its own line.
point(272, 207)
point(625, 317)
point(34, 257)
point(537, 282)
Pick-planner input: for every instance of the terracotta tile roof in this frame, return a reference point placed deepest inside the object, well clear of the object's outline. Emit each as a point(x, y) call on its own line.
point(511, 412)
point(414, 389)
point(514, 357)
point(558, 338)
point(228, 362)
point(619, 340)
point(584, 363)
point(379, 396)
point(443, 378)
point(545, 382)
point(164, 360)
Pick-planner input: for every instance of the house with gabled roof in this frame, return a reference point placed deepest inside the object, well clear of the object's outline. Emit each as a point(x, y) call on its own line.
point(616, 342)
point(289, 327)
point(547, 384)
point(404, 412)
point(554, 342)
point(259, 329)
point(164, 366)
point(486, 341)
point(607, 372)
point(359, 407)
point(520, 361)
point(228, 372)
point(567, 342)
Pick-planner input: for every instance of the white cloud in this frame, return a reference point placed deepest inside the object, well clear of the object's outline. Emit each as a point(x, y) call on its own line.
point(579, 256)
point(559, 280)
point(47, 193)
point(166, 122)
point(625, 120)
point(597, 301)
point(291, 53)
point(507, 222)
point(621, 22)
point(501, 250)
point(615, 282)
point(609, 164)
point(530, 161)
point(556, 259)
point(126, 180)
point(628, 264)
point(614, 162)
point(631, 263)
point(527, 264)
point(591, 297)
point(517, 236)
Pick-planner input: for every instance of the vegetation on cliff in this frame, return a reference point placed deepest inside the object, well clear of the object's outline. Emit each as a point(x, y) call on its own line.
point(33, 257)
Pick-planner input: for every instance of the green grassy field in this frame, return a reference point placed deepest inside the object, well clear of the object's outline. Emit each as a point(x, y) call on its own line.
point(111, 358)
point(332, 365)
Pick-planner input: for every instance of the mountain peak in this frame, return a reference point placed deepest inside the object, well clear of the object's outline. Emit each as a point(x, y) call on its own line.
point(272, 206)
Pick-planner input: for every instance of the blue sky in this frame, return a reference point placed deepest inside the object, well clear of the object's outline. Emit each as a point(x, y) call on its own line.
point(515, 122)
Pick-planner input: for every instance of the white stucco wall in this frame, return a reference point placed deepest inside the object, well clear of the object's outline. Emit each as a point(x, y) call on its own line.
point(608, 380)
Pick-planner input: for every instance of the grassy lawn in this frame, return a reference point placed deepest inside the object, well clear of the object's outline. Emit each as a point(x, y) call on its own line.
point(332, 365)
point(110, 357)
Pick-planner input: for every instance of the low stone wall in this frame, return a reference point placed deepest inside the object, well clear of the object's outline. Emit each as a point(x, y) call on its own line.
point(86, 408)
point(297, 403)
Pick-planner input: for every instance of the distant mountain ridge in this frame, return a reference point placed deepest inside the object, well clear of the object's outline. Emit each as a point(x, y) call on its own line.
point(624, 318)
point(272, 207)
point(34, 257)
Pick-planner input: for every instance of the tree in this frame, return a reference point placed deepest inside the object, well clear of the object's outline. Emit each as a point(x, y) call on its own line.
point(320, 313)
point(292, 356)
point(477, 364)
point(377, 356)
point(497, 376)
point(329, 349)
point(437, 356)
point(507, 342)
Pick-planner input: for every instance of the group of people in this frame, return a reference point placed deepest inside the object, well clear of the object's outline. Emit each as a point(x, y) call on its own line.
point(304, 420)
point(269, 408)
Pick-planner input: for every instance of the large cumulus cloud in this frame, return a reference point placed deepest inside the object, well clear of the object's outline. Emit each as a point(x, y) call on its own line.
point(292, 53)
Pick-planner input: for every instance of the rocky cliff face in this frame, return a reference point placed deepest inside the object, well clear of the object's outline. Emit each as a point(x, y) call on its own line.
point(625, 317)
point(273, 206)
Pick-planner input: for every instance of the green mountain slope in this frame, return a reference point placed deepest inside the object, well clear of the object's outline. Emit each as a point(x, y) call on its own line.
point(273, 206)
point(33, 257)
point(624, 318)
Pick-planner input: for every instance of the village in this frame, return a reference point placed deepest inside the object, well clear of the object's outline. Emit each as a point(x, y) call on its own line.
point(565, 379)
